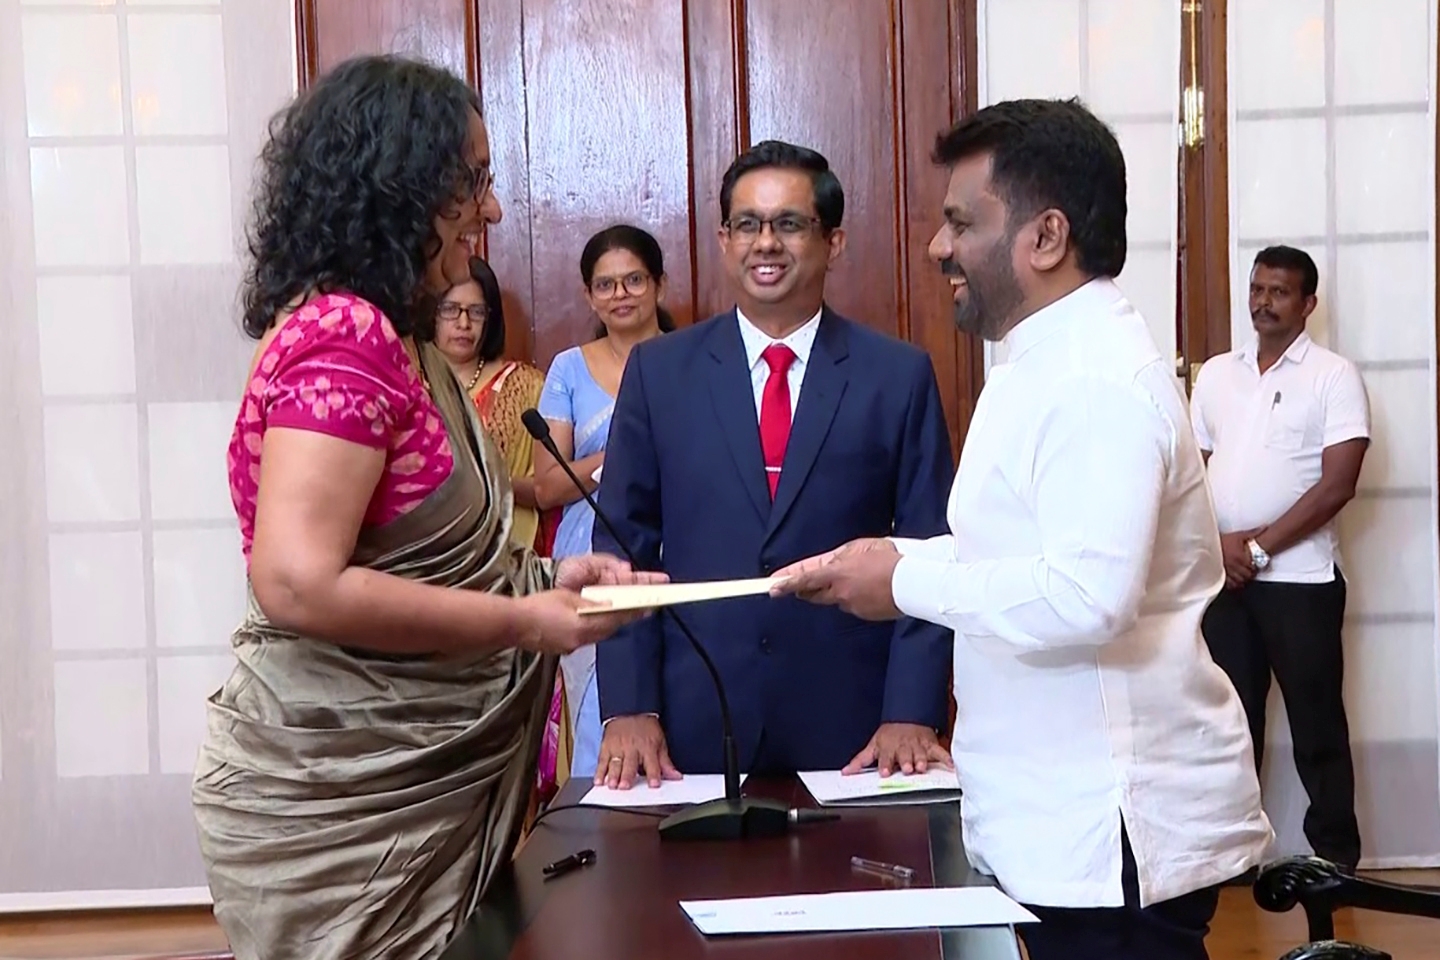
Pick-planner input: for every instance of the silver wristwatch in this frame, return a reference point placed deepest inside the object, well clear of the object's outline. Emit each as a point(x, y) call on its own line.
point(1258, 557)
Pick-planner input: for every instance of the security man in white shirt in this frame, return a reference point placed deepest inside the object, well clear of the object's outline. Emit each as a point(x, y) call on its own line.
point(1284, 425)
point(1105, 762)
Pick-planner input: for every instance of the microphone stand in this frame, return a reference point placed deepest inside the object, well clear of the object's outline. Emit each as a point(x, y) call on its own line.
point(734, 817)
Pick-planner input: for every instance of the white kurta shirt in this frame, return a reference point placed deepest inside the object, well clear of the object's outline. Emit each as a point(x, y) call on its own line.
point(1083, 553)
point(1268, 432)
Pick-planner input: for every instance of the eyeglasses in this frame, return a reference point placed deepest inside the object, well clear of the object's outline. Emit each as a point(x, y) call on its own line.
point(634, 283)
point(787, 225)
point(450, 310)
point(477, 182)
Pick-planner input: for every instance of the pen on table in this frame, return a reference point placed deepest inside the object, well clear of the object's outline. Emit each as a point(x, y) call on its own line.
point(875, 866)
point(564, 865)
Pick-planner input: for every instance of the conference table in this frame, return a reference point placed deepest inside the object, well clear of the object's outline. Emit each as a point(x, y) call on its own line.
point(626, 903)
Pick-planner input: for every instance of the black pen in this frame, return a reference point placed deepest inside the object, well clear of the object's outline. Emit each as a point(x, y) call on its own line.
point(564, 865)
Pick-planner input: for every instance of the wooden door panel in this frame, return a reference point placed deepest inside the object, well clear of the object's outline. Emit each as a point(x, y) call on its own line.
point(440, 31)
point(605, 98)
point(814, 68)
point(718, 132)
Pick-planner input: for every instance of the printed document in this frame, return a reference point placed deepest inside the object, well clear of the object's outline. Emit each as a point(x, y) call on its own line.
point(906, 909)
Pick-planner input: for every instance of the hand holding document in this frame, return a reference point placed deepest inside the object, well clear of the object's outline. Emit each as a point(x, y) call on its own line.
point(909, 909)
point(644, 596)
point(830, 788)
point(855, 577)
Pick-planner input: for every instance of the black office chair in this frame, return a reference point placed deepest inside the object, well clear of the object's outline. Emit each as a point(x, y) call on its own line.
point(1320, 888)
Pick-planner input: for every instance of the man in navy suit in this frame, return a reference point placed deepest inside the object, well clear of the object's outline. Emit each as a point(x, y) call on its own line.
point(770, 433)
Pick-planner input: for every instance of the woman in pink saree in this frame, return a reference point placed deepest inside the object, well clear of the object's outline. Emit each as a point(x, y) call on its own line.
point(369, 761)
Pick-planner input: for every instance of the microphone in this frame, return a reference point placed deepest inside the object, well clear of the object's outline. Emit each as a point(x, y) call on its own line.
point(735, 817)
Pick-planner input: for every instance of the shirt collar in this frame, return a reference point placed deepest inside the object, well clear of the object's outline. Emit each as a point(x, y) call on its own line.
point(756, 340)
point(1295, 353)
point(1098, 294)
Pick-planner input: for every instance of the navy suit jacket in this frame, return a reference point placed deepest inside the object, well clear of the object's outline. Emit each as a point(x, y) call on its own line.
point(868, 456)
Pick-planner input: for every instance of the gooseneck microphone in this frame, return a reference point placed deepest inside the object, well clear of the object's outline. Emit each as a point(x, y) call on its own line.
point(735, 816)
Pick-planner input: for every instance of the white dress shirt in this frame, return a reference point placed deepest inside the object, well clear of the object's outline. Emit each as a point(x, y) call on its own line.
point(756, 340)
point(1083, 553)
point(1268, 432)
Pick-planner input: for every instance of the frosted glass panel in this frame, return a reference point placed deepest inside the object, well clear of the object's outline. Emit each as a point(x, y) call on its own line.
point(1401, 72)
point(1048, 31)
point(1383, 172)
point(1277, 169)
point(177, 74)
point(1128, 77)
point(1383, 301)
point(1152, 171)
point(1277, 54)
point(1148, 280)
point(1358, 90)
point(1401, 412)
point(1390, 681)
point(1387, 555)
point(72, 75)
point(132, 133)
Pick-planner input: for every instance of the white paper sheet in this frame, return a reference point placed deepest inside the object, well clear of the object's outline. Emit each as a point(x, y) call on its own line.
point(693, 788)
point(907, 909)
point(831, 788)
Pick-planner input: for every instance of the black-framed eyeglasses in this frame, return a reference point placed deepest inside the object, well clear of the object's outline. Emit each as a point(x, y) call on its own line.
point(450, 310)
point(785, 225)
point(633, 283)
point(477, 182)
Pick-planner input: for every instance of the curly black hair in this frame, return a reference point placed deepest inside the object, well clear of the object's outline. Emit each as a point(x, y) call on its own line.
point(349, 185)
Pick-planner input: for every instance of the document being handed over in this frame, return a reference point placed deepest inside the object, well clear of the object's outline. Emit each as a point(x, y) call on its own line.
point(643, 596)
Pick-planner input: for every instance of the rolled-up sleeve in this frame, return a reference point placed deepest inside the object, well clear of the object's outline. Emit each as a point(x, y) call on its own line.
point(1094, 482)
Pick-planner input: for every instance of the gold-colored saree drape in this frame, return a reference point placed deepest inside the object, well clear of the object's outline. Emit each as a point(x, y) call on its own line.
point(355, 805)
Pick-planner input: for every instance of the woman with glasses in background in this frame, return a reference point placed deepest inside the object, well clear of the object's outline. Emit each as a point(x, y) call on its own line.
point(469, 329)
point(624, 275)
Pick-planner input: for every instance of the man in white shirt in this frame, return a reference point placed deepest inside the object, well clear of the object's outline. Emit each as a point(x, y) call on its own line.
point(1284, 425)
point(1105, 762)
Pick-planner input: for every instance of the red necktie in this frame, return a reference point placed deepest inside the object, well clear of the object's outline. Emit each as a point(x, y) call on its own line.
point(775, 411)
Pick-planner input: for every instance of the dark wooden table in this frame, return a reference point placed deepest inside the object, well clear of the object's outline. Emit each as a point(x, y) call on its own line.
point(627, 903)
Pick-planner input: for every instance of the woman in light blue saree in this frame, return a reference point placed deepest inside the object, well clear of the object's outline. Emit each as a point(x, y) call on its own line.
point(624, 274)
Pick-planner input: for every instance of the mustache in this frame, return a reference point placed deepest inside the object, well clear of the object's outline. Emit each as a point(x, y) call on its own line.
point(950, 268)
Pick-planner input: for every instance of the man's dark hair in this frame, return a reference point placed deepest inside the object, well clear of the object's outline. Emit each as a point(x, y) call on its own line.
point(1281, 257)
point(775, 154)
point(1051, 153)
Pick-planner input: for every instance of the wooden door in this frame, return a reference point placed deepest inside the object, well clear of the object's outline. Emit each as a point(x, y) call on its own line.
point(603, 111)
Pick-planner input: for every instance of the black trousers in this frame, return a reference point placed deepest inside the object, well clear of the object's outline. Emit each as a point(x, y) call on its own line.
point(1171, 930)
point(1293, 630)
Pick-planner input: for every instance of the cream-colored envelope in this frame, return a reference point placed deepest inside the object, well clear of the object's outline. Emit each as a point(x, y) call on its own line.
point(642, 596)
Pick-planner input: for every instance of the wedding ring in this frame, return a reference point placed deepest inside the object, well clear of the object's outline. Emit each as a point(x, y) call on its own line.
point(614, 759)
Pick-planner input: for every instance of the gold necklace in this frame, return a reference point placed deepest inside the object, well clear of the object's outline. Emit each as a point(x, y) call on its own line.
point(479, 369)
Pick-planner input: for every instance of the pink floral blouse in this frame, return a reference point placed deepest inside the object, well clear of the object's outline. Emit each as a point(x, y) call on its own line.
point(338, 367)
